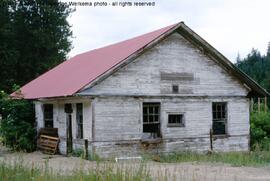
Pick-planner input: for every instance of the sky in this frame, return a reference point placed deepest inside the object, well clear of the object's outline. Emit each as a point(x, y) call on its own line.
point(231, 26)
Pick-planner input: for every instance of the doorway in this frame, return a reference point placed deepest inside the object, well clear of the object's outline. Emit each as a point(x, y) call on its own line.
point(151, 120)
point(69, 133)
point(68, 111)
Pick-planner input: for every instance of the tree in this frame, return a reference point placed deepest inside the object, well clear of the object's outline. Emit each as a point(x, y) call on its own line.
point(35, 36)
point(17, 127)
point(257, 66)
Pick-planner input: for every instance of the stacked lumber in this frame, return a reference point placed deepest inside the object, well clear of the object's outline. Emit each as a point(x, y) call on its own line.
point(48, 140)
point(48, 144)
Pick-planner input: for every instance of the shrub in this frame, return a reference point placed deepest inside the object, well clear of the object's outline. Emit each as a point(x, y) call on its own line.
point(260, 130)
point(78, 152)
point(17, 126)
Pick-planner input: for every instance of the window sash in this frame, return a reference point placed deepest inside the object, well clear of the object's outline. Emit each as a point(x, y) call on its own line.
point(219, 120)
point(48, 115)
point(176, 120)
point(151, 112)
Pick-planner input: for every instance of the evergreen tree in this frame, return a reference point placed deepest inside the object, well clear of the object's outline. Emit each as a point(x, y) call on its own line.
point(257, 66)
point(35, 36)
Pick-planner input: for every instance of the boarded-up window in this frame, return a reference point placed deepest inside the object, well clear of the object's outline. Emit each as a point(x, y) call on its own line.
point(219, 110)
point(175, 120)
point(48, 115)
point(79, 118)
point(151, 119)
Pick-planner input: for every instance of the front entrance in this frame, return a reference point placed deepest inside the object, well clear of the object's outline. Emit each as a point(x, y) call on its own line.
point(68, 111)
point(69, 133)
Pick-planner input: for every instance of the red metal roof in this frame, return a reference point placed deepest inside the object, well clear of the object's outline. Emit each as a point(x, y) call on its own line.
point(72, 75)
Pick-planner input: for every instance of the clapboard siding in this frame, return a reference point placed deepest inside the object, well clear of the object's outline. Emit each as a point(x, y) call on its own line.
point(119, 119)
point(173, 56)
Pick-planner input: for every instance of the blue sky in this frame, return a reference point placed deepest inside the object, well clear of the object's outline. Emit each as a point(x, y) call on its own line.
point(231, 26)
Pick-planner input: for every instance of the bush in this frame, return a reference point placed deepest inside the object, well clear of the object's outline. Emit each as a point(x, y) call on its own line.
point(77, 152)
point(17, 126)
point(260, 130)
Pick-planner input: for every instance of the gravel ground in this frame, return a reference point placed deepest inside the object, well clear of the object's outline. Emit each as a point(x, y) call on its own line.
point(160, 171)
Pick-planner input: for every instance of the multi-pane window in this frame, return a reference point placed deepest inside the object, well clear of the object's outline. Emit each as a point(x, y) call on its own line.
point(79, 118)
point(48, 115)
point(150, 113)
point(219, 110)
point(151, 118)
point(175, 120)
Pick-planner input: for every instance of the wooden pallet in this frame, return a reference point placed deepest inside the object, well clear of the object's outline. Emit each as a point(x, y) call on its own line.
point(48, 144)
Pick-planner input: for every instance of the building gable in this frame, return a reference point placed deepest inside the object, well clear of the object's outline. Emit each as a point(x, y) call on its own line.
point(172, 62)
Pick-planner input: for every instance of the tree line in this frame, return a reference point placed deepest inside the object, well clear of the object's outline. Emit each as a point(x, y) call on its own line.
point(257, 66)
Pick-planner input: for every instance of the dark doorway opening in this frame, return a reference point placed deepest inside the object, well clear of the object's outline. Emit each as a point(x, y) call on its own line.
point(68, 110)
point(151, 120)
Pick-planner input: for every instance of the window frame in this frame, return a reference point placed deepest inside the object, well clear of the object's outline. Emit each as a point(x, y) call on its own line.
point(79, 123)
point(220, 120)
point(148, 105)
point(45, 119)
point(180, 125)
point(153, 127)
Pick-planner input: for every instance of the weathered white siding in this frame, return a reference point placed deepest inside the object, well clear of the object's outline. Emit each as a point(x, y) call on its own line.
point(173, 55)
point(119, 125)
point(118, 117)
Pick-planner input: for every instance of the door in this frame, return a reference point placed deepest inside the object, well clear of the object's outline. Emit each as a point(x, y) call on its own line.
point(68, 111)
point(69, 133)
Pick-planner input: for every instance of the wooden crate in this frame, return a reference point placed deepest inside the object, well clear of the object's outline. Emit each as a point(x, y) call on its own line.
point(48, 144)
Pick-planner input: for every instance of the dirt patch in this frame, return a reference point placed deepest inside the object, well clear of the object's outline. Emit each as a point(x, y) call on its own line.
point(160, 171)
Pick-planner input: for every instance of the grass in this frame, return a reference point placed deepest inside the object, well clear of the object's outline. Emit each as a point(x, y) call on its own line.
point(18, 172)
point(256, 158)
point(108, 171)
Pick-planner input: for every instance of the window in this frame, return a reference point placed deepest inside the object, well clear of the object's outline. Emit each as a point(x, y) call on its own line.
point(48, 115)
point(79, 118)
point(175, 120)
point(175, 88)
point(219, 110)
point(151, 122)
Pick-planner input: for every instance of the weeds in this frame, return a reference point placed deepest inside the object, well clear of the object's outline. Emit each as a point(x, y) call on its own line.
point(256, 158)
point(18, 172)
